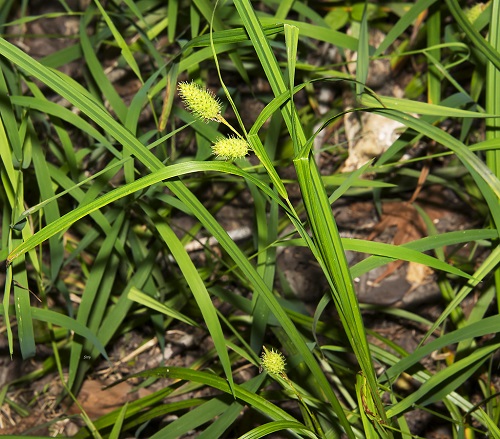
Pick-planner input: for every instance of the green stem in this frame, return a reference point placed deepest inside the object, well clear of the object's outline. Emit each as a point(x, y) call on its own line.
point(221, 119)
point(315, 421)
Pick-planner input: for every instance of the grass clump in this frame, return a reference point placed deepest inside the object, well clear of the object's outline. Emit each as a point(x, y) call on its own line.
point(105, 195)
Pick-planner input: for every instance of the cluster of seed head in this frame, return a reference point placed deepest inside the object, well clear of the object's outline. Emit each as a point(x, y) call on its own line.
point(204, 105)
point(474, 12)
point(230, 148)
point(273, 362)
point(200, 101)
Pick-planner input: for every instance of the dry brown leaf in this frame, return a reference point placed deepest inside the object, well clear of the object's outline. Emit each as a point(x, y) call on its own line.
point(97, 401)
point(417, 274)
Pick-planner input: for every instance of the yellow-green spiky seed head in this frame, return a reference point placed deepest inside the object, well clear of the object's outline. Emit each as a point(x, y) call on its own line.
point(273, 362)
point(200, 101)
point(230, 148)
point(474, 12)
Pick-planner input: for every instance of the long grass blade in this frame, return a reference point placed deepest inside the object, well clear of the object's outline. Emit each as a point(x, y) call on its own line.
point(476, 38)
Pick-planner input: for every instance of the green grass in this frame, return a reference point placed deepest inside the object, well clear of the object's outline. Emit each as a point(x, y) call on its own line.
point(91, 192)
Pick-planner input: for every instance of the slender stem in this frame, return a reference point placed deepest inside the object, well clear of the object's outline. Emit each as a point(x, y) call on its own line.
point(221, 119)
point(315, 421)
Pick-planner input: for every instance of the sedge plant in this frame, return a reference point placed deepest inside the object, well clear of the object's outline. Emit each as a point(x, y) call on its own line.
point(134, 269)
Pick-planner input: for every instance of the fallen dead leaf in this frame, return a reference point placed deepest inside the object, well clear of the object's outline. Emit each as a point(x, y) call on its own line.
point(418, 274)
point(97, 401)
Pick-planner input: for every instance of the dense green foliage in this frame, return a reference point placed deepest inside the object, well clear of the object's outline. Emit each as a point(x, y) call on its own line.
point(94, 181)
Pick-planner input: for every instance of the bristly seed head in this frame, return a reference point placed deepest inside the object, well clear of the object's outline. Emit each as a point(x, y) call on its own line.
point(200, 101)
point(230, 148)
point(273, 362)
point(474, 12)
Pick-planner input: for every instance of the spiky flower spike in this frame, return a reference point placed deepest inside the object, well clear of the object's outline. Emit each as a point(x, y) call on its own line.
point(273, 362)
point(200, 101)
point(230, 148)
